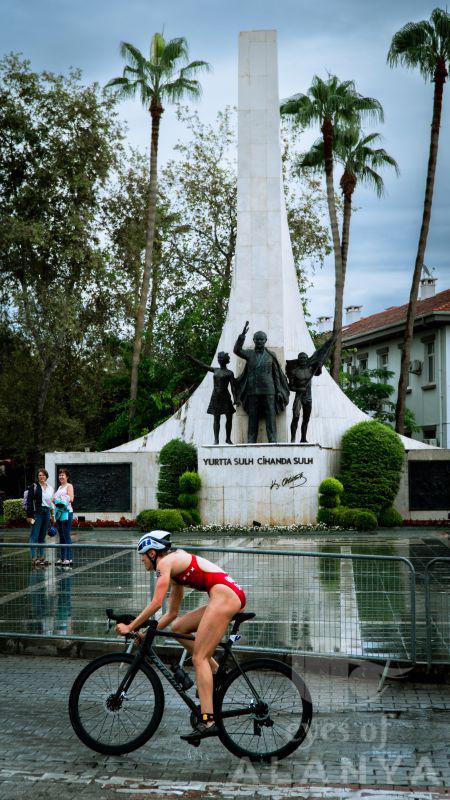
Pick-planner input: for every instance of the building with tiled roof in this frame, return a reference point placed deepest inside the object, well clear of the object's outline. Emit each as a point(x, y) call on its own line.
point(376, 342)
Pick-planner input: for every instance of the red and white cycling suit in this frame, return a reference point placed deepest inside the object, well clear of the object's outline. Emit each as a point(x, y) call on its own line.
point(196, 578)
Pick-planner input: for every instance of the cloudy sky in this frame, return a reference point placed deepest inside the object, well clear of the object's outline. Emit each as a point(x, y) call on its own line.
point(349, 38)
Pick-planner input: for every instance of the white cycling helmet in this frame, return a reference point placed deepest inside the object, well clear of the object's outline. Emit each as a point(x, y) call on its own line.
point(154, 540)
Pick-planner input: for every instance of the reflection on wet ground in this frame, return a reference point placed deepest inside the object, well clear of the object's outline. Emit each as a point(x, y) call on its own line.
point(335, 599)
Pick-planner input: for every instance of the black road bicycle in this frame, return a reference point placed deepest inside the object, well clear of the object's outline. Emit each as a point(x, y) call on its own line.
point(262, 707)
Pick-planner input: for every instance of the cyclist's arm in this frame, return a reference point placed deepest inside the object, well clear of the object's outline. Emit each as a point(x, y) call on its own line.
point(175, 598)
point(162, 586)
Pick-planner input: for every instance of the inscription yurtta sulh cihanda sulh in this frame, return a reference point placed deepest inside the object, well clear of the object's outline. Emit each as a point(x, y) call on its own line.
point(263, 475)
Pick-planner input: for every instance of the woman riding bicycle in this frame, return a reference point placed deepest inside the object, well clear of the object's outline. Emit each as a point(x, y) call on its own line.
point(175, 570)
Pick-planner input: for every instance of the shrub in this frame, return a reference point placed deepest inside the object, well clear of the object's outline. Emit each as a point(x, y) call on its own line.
point(371, 466)
point(190, 482)
point(389, 518)
point(166, 519)
point(331, 486)
point(13, 511)
point(329, 500)
point(360, 518)
point(146, 520)
point(186, 500)
point(187, 516)
point(170, 519)
point(196, 518)
point(328, 516)
point(175, 458)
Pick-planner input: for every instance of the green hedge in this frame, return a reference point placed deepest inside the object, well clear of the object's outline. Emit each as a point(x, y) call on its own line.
point(13, 511)
point(187, 516)
point(329, 500)
point(371, 466)
point(327, 516)
point(389, 518)
point(360, 518)
point(188, 501)
point(166, 519)
point(331, 486)
point(190, 482)
point(175, 458)
point(196, 518)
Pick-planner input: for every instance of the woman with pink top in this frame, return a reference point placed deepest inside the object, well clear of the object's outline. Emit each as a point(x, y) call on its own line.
point(65, 490)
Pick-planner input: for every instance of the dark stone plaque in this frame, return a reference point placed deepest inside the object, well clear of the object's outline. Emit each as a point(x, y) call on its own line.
point(429, 485)
point(100, 487)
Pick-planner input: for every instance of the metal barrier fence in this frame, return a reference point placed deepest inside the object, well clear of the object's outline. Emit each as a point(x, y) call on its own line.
point(437, 610)
point(321, 603)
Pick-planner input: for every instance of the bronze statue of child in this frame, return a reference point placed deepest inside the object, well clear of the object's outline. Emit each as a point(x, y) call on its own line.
point(220, 402)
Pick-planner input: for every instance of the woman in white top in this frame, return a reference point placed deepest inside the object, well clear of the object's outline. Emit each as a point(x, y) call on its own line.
point(64, 526)
point(39, 511)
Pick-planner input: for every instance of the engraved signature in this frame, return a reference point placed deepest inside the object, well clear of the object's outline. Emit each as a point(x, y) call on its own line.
point(292, 481)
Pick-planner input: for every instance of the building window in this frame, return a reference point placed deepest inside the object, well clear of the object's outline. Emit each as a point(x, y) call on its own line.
point(430, 362)
point(347, 364)
point(383, 359)
point(362, 363)
point(430, 435)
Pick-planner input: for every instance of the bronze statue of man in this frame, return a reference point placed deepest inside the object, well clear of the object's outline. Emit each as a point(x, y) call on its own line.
point(300, 372)
point(220, 402)
point(262, 388)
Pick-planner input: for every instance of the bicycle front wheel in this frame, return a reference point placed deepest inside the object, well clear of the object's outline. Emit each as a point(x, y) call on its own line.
point(114, 724)
point(263, 711)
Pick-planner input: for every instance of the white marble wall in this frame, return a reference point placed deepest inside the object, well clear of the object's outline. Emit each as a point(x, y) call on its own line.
point(144, 478)
point(273, 484)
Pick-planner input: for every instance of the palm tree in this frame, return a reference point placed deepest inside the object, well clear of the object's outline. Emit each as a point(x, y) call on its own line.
point(167, 75)
point(360, 162)
point(425, 45)
point(330, 103)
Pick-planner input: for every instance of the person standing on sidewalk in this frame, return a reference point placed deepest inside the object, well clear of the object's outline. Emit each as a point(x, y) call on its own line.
point(65, 490)
point(39, 513)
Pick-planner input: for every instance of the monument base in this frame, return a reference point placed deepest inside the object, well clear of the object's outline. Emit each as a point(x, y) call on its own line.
point(274, 484)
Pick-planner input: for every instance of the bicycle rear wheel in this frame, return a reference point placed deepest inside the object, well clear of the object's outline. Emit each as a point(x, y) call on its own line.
point(271, 725)
point(110, 724)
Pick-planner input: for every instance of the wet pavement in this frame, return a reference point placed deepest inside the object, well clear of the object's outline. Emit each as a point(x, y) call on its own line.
point(361, 744)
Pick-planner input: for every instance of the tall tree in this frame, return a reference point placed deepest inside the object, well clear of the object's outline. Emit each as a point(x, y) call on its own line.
point(59, 142)
point(167, 75)
point(360, 161)
point(330, 103)
point(426, 45)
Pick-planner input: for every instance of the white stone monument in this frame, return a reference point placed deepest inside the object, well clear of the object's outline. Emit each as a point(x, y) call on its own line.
point(271, 483)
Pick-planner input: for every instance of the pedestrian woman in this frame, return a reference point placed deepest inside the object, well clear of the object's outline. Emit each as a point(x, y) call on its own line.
point(64, 525)
point(39, 512)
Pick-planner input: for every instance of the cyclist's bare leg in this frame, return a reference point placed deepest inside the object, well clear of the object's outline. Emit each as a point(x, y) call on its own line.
point(222, 606)
point(189, 623)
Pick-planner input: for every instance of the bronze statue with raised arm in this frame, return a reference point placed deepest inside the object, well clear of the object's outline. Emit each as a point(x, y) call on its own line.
point(262, 388)
point(220, 402)
point(300, 372)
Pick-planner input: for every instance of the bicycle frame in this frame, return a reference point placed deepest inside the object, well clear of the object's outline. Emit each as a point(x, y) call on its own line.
point(147, 653)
